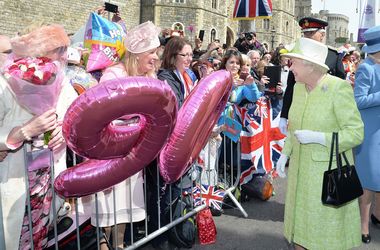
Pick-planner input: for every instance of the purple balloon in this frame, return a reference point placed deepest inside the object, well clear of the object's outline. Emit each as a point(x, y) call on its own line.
point(195, 121)
point(147, 109)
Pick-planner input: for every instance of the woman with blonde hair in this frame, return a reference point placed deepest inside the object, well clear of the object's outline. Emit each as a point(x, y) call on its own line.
point(141, 43)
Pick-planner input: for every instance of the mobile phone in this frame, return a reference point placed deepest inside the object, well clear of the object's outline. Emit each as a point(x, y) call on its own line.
point(111, 7)
point(274, 74)
point(201, 35)
point(244, 75)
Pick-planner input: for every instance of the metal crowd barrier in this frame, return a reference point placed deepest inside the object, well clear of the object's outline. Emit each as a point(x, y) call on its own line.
point(81, 210)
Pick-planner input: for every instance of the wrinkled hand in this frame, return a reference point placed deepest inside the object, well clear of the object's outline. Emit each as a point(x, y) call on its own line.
point(280, 166)
point(3, 154)
point(308, 136)
point(57, 139)
point(283, 126)
point(41, 123)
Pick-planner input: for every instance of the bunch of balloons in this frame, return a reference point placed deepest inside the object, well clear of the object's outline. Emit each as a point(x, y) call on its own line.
point(123, 124)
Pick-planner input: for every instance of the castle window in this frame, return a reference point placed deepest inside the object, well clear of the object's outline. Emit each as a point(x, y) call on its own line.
point(266, 24)
point(214, 4)
point(212, 35)
point(178, 27)
point(179, 1)
point(287, 26)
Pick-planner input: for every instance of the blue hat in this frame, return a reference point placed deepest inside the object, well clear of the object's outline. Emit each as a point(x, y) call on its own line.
point(372, 40)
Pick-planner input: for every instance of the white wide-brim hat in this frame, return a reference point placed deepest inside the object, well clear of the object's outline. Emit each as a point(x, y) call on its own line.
point(309, 50)
point(372, 40)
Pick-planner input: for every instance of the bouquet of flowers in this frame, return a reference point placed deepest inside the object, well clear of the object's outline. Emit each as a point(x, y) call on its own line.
point(35, 82)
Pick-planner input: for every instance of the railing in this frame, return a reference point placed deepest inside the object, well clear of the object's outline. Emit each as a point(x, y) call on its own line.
point(79, 210)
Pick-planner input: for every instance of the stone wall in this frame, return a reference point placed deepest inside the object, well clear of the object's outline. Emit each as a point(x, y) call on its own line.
point(72, 14)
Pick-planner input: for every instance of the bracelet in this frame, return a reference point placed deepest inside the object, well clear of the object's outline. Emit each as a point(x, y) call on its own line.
point(27, 137)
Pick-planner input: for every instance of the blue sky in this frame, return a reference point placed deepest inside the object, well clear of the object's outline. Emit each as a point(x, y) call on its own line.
point(346, 7)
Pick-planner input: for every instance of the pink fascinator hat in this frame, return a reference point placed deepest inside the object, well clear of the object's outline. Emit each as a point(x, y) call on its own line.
point(142, 38)
point(40, 41)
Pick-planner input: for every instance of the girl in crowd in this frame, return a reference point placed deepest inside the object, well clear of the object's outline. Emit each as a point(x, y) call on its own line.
point(322, 104)
point(367, 95)
point(244, 89)
point(18, 126)
point(141, 43)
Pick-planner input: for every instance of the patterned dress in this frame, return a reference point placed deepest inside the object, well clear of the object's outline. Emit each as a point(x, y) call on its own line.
point(329, 107)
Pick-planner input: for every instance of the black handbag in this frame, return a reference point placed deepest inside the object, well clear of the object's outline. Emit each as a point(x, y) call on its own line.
point(342, 184)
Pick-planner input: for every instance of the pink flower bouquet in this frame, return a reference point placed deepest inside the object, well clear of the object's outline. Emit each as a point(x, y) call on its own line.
point(35, 82)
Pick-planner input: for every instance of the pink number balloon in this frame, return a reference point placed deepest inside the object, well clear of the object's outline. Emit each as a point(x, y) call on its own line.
point(116, 152)
point(195, 121)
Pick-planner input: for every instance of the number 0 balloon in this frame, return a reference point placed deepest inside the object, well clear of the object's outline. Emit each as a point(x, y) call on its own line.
point(195, 121)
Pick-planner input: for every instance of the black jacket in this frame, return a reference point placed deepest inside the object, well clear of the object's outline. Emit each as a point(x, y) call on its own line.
point(174, 82)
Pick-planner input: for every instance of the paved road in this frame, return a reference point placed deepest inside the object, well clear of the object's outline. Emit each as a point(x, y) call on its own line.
point(263, 227)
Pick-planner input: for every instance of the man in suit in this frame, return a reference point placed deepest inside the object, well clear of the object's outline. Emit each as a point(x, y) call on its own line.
point(312, 28)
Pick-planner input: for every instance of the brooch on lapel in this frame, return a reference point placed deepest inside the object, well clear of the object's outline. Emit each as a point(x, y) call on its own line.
point(324, 88)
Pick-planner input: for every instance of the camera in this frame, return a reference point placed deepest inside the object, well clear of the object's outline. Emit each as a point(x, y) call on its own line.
point(249, 36)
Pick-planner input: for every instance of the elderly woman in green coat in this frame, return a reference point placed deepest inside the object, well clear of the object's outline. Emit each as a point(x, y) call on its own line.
point(322, 104)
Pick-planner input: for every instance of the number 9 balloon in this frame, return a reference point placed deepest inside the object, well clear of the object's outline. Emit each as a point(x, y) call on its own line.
point(115, 151)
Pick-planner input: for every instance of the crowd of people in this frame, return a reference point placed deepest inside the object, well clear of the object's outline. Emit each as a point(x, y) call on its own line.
point(319, 91)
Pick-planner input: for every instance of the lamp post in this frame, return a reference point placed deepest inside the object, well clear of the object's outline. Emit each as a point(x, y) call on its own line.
point(273, 31)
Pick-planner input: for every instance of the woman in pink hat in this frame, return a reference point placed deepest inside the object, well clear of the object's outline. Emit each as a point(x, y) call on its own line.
point(141, 42)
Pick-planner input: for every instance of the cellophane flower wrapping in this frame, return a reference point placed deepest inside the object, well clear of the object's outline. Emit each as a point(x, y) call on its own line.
point(36, 82)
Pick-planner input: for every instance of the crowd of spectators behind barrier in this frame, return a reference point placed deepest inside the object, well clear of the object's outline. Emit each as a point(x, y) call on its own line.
point(182, 64)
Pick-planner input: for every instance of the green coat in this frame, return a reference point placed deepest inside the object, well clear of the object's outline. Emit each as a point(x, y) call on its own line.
point(329, 107)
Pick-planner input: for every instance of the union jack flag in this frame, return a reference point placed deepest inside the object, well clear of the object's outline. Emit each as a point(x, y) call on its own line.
point(210, 195)
point(250, 9)
point(261, 139)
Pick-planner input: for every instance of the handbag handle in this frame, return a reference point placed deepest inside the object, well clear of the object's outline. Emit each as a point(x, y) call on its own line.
point(335, 145)
point(332, 148)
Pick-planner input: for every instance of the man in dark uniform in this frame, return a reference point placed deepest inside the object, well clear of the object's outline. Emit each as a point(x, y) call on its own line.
point(312, 28)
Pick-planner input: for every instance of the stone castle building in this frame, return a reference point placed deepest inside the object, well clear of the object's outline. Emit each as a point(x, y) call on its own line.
point(302, 9)
point(281, 28)
point(189, 16)
point(338, 23)
point(337, 32)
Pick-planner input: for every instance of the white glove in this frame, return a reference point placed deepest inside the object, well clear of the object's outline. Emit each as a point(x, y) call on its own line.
point(283, 125)
point(308, 136)
point(280, 166)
